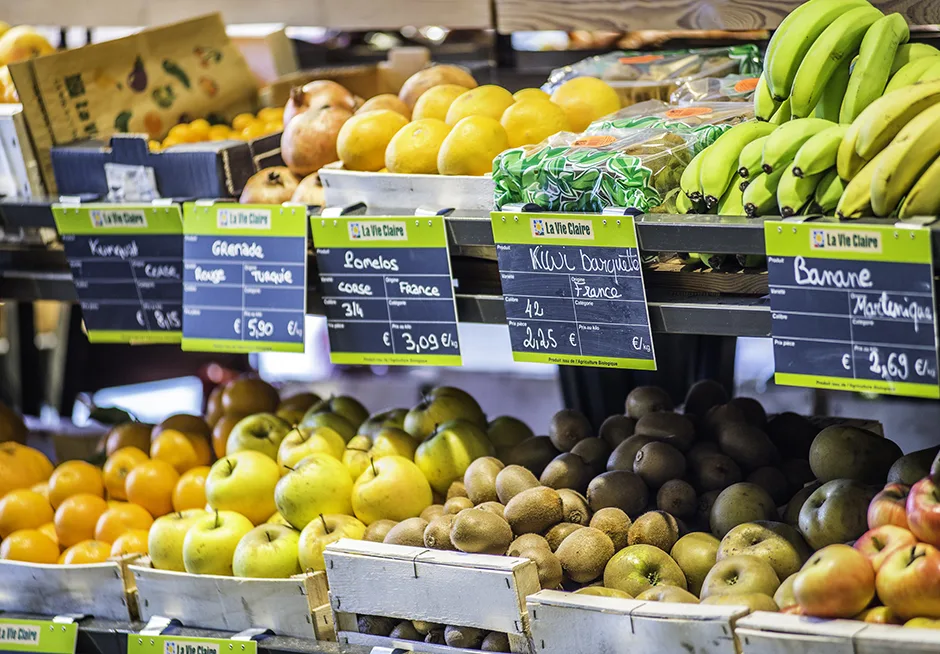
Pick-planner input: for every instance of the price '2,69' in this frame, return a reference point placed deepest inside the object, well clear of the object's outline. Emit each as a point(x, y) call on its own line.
point(898, 366)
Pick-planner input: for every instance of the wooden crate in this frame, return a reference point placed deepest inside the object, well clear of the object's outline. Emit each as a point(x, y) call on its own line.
point(584, 624)
point(414, 583)
point(297, 607)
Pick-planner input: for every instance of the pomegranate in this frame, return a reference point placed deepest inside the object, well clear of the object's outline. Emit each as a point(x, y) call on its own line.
point(309, 191)
point(315, 95)
point(269, 186)
point(309, 140)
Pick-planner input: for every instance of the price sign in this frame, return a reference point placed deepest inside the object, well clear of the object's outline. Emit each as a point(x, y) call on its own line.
point(852, 307)
point(388, 290)
point(244, 277)
point(127, 265)
point(40, 636)
point(188, 645)
point(573, 288)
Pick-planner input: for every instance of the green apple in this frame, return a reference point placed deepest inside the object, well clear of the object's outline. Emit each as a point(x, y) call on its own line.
point(210, 543)
point(505, 432)
point(318, 484)
point(313, 419)
point(390, 488)
point(267, 552)
point(342, 405)
point(248, 395)
point(740, 574)
point(301, 443)
point(356, 455)
point(432, 412)
point(696, 554)
point(777, 543)
point(243, 482)
point(298, 403)
point(445, 456)
point(388, 441)
point(165, 541)
point(277, 519)
point(460, 394)
point(322, 531)
point(261, 432)
point(375, 422)
point(637, 568)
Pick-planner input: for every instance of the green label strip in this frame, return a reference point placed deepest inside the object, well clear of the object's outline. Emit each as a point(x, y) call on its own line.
point(42, 636)
point(188, 645)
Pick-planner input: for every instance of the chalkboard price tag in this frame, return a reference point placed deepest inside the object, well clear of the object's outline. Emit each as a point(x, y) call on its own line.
point(37, 636)
point(388, 290)
point(127, 263)
point(244, 277)
point(188, 645)
point(573, 288)
point(852, 307)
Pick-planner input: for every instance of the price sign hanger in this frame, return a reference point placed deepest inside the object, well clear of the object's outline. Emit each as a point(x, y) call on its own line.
point(853, 306)
point(387, 289)
point(244, 277)
point(573, 289)
point(127, 265)
point(39, 636)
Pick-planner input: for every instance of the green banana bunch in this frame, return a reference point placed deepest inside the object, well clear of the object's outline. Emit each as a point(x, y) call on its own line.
point(818, 152)
point(782, 114)
point(751, 260)
point(720, 162)
point(856, 198)
point(837, 43)
point(911, 73)
point(830, 102)
point(760, 196)
point(881, 121)
point(683, 203)
point(902, 162)
point(909, 52)
point(875, 57)
point(828, 191)
point(782, 145)
point(713, 260)
point(793, 193)
point(931, 73)
point(732, 202)
point(795, 36)
point(749, 159)
point(688, 181)
point(764, 103)
point(924, 197)
point(848, 161)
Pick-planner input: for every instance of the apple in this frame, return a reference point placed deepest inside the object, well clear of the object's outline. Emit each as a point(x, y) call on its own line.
point(777, 543)
point(424, 419)
point(390, 488)
point(301, 443)
point(322, 531)
point(889, 507)
point(267, 552)
point(342, 405)
point(837, 582)
point(696, 554)
point(923, 511)
point(249, 395)
point(739, 575)
point(505, 432)
point(909, 582)
point(210, 543)
point(879, 615)
point(334, 421)
point(388, 441)
point(784, 596)
point(318, 484)
point(637, 568)
point(165, 540)
point(243, 482)
point(262, 432)
point(298, 403)
point(214, 408)
point(444, 457)
point(375, 422)
point(877, 544)
point(751, 601)
point(836, 512)
point(460, 394)
point(923, 623)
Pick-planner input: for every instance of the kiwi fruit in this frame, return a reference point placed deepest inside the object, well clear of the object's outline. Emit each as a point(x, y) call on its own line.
point(574, 506)
point(773, 481)
point(678, 498)
point(407, 532)
point(437, 533)
point(699, 450)
point(533, 453)
point(584, 554)
point(703, 511)
point(594, 452)
point(623, 455)
point(549, 567)
point(566, 470)
point(432, 511)
point(717, 417)
point(797, 472)
point(567, 427)
point(424, 628)
point(667, 427)
point(560, 532)
point(792, 434)
point(615, 523)
point(703, 395)
point(512, 480)
point(716, 472)
point(505, 432)
point(479, 479)
point(375, 625)
point(647, 399)
point(475, 530)
point(618, 488)
point(616, 429)
point(753, 411)
point(495, 641)
point(377, 530)
point(465, 637)
point(535, 510)
point(656, 528)
point(456, 489)
point(404, 630)
point(656, 463)
point(748, 445)
point(495, 508)
point(525, 542)
point(738, 504)
point(435, 637)
point(455, 505)
point(600, 591)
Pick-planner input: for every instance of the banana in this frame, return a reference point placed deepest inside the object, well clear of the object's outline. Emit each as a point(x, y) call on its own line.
point(856, 198)
point(924, 197)
point(764, 103)
point(819, 151)
point(751, 260)
point(903, 161)
point(875, 56)
point(720, 163)
point(909, 52)
point(782, 145)
point(749, 159)
point(760, 196)
point(688, 181)
point(793, 193)
point(932, 73)
point(732, 202)
point(911, 73)
point(794, 37)
point(713, 260)
point(837, 43)
point(683, 203)
point(828, 191)
point(848, 161)
point(883, 119)
point(782, 114)
point(830, 102)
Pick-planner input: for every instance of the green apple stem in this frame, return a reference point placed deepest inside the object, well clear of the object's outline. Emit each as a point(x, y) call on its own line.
point(372, 463)
point(216, 519)
point(325, 527)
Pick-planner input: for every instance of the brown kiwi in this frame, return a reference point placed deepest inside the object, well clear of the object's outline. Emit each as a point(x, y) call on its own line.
point(616, 429)
point(435, 637)
point(618, 488)
point(495, 508)
point(594, 452)
point(584, 554)
point(656, 463)
point(566, 470)
point(534, 510)
point(432, 512)
point(656, 528)
point(667, 427)
point(773, 481)
point(465, 637)
point(798, 473)
point(504, 432)
point(533, 453)
point(475, 530)
point(480, 479)
point(704, 509)
point(549, 567)
point(748, 445)
point(560, 532)
point(703, 395)
point(616, 524)
point(624, 454)
point(404, 630)
point(495, 641)
point(678, 498)
point(647, 399)
point(575, 506)
point(525, 542)
point(455, 505)
point(437, 533)
point(407, 532)
point(456, 489)
point(717, 417)
point(753, 411)
point(792, 434)
point(377, 530)
point(567, 427)
point(716, 472)
point(424, 628)
point(512, 480)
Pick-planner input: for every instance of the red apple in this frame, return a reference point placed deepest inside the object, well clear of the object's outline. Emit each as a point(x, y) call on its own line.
point(877, 544)
point(836, 582)
point(879, 615)
point(889, 507)
point(909, 582)
point(923, 511)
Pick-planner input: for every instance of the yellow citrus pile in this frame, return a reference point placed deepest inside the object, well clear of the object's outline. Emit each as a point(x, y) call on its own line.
point(244, 127)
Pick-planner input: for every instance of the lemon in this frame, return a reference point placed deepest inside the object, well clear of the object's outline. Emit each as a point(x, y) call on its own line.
point(585, 99)
point(435, 102)
point(199, 129)
point(488, 100)
point(413, 150)
point(532, 121)
point(271, 115)
point(471, 146)
point(530, 94)
point(241, 121)
point(362, 139)
point(219, 133)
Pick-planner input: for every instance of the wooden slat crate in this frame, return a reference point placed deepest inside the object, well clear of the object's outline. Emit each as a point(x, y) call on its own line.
point(414, 583)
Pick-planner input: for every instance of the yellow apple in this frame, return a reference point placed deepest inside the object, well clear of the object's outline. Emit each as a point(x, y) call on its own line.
point(243, 482)
point(301, 443)
point(165, 541)
point(318, 484)
point(445, 456)
point(322, 531)
point(210, 543)
point(388, 441)
point(356, 456)
point(391, 488)
point(261, 432)
point(345, 406)
point(315, 418)
point(377, 421)
point(277, 519)
point(267, 552)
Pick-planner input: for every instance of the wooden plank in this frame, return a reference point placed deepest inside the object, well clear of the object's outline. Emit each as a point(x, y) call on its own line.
point(775, 633)
point(353, 638)
point(95, 589)
point(878, 639)
point(625, 15)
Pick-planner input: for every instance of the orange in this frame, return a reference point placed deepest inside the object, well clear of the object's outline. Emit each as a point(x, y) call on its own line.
point(121, 519)
point(222, 430)
point(48, 529)
point(87, 551)
point(190, 491)
point(13, 474)
point(253, 131)
point(272, 115)
point(29, 545)
point(170, 142)
point(151, 485)
point(72, 478)
point(23, 509)
point(199, 129)
point(219, 133)
point(204, 454)
point(131, 542)
point(38, 464)
point(174, 448)
point(117, 467)
point(76, 517)
point(42, 488)
point(241, 121)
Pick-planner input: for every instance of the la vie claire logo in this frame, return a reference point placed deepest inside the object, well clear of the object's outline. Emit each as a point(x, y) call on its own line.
point(243, 219)
point(845, 240)
point(562, 228)
point(103, 219)
point(377, 230)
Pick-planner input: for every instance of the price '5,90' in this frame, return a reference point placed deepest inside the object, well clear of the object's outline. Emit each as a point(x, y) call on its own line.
point(424, 343)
